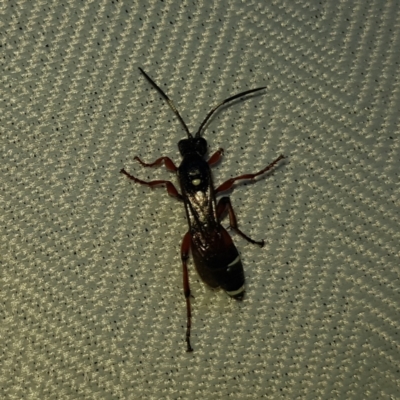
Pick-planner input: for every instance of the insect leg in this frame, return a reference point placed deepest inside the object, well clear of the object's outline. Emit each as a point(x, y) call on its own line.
point(169, 164)
point(171, 189)
point(229, 183)
point(225, 203)
point(185, 247)
point(215, 157)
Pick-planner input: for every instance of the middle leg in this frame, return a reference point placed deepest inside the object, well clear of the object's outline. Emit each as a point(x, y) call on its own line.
point(171, 189)
point(229, 183)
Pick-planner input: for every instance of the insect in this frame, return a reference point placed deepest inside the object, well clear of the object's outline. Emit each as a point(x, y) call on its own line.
point(215, 257)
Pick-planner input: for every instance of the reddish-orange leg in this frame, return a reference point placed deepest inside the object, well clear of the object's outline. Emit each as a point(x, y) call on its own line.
point(169, 164)
point(225, 203)
point(171, 189)
point(185, 247)
point(215, 157)
point(229, 183)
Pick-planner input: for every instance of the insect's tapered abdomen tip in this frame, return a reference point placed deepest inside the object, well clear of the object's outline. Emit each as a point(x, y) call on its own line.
point(239, 296)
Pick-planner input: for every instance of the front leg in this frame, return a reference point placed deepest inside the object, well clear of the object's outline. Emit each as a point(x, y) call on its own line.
point(225, 203)
point(171, 189)
point(215, 157)
point(169, 164)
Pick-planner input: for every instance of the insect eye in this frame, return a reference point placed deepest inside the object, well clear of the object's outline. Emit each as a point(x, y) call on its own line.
point(201, 146)
point(184, 146)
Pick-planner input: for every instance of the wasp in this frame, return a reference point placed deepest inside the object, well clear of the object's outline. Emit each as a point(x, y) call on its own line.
point(215, 256)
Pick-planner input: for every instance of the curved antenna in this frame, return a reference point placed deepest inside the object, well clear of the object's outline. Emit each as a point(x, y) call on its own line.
point(170, 103)
point(236, 96)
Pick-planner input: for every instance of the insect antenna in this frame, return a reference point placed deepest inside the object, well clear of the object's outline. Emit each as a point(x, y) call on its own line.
point(236, 96)
point(169, 101)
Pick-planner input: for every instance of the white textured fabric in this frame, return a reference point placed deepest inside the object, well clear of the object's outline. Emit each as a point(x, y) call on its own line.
point(91, 287)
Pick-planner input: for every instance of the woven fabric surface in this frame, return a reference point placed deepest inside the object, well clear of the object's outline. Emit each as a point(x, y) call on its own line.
point(91, 296)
